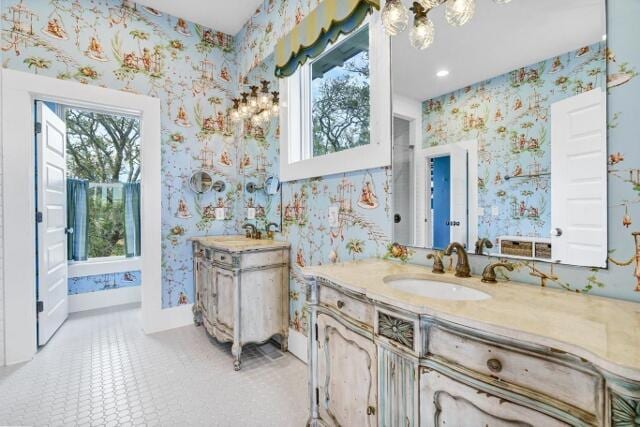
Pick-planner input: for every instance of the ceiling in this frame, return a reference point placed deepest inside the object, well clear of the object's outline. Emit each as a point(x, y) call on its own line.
point(499, 39)
point(227, 16)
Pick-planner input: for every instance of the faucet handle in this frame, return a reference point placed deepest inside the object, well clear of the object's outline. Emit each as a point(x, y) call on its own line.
point(438, 266)
point(489, 273)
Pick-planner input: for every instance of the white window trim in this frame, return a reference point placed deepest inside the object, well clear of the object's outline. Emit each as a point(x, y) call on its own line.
point(103, 265)
point(373, 155)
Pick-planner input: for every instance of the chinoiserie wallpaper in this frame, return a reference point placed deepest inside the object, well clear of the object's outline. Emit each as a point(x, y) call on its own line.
point(191, 69)
point(195, 72)
point(103, 282)
point(365, 197)
point(510, 117)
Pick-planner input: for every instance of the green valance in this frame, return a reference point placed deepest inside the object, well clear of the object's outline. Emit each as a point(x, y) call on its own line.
point(321, 27)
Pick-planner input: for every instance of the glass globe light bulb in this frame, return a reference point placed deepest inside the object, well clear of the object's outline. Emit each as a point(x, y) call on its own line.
point(395, 17)
point(264, 100)
point(255, 120)
point(265, 116)
point(422, 33)
point(430, 4)
point(235, 116)
point(459, 12)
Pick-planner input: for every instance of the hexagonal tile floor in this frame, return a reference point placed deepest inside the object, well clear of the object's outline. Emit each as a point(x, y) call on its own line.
point(101, 369)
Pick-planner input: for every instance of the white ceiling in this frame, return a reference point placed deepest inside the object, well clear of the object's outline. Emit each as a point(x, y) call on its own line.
point(499, 39)
point(227, 16)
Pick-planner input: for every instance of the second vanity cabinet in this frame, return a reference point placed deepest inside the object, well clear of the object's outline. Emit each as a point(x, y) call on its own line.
point(242, 289)
point(374, 363)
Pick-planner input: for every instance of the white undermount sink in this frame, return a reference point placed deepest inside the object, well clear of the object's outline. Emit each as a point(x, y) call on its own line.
point(435, 289)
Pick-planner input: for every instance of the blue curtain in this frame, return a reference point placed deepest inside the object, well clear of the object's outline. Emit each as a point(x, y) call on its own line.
point(131, 196)
point(77, 219)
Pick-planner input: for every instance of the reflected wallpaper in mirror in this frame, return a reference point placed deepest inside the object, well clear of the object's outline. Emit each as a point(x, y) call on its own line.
point(481, 121)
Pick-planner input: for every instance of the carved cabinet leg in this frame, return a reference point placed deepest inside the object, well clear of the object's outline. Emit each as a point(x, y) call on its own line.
point(197, 316)
point(284, 343)
point(236, 351)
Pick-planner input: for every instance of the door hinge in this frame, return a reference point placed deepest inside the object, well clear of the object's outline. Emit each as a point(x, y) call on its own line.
point(39, 306)
point(317, 396)
point(316, 326)
point(38, 127)
point(39, 217)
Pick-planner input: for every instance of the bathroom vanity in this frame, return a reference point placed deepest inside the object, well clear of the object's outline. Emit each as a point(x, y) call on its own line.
point(395, 345)
point(242, 290)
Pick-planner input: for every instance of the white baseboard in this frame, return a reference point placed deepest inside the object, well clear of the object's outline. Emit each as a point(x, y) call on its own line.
point(298, 344)
point(168, 318)
point(101, 299)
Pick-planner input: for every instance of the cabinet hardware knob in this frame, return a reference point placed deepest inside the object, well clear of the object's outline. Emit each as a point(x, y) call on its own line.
point(371, 410)
point(340, 304)
point(494, 365)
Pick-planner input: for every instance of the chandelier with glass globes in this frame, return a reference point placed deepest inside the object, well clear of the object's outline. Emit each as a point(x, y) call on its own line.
point(259, 106)
point(395, 18)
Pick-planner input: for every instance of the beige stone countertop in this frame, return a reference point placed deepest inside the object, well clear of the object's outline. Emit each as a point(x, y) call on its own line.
point(238, 243)
point(602, 330)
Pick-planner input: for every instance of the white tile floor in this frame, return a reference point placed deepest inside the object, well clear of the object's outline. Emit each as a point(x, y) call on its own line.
point(100, 369)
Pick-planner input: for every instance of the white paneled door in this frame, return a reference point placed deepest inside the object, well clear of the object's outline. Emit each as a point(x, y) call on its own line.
point(52, 223)
point(579, 179)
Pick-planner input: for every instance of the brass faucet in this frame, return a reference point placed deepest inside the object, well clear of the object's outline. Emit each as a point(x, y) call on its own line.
point(250, 231)
point(462, 267)
point(481, 244)
point(270, 232)
point(489, 273)
point(438, 266)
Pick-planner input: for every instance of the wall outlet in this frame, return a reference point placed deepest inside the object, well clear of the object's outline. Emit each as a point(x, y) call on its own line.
point(251, 213)
point(333, 216)
point(220, 214)
point(495, 211)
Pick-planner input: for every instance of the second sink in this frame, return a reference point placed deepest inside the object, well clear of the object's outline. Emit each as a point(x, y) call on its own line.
point(435, 289)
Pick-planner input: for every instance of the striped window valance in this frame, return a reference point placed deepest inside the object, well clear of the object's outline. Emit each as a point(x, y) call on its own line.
point(321, 27)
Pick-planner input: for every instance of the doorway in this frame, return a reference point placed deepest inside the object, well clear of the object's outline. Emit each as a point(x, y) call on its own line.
point(88, 225)
point(20, 91)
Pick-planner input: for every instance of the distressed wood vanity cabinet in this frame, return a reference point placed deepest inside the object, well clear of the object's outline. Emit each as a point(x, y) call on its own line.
point(381, 357)
point(242, 290)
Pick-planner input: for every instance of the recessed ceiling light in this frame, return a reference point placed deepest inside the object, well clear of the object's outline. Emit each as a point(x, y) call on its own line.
point(442, 73)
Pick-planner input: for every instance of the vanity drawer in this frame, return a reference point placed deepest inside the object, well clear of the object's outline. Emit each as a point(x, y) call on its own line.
point(222, 257)
point(556, 379)
point(265, 258)
point(350, 307)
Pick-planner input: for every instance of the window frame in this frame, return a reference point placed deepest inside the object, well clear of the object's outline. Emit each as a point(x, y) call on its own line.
point(296, 138)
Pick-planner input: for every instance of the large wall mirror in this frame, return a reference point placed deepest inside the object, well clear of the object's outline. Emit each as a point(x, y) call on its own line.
point(499, 131)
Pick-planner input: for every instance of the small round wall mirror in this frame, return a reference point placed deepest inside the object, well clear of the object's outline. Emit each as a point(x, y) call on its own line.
point(272, 185)
point(201, 182)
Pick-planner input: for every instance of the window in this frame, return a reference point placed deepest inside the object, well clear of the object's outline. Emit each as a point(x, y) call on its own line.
point(336, 110)
point(103, 151)
point(340, 106)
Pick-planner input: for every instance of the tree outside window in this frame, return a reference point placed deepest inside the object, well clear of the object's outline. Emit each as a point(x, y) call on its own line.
point(340, 96)
point(105, 150)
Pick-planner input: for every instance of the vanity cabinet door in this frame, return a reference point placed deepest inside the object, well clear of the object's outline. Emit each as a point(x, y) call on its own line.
point(208, 292)
point(202, 284)
point(446, 402)
point(347, 375)
point(224, 300)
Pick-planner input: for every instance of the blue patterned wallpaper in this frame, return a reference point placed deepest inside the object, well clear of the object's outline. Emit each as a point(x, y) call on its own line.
point(367, 232)
point(189, 68)
point(510, 117)
point(103, 282)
